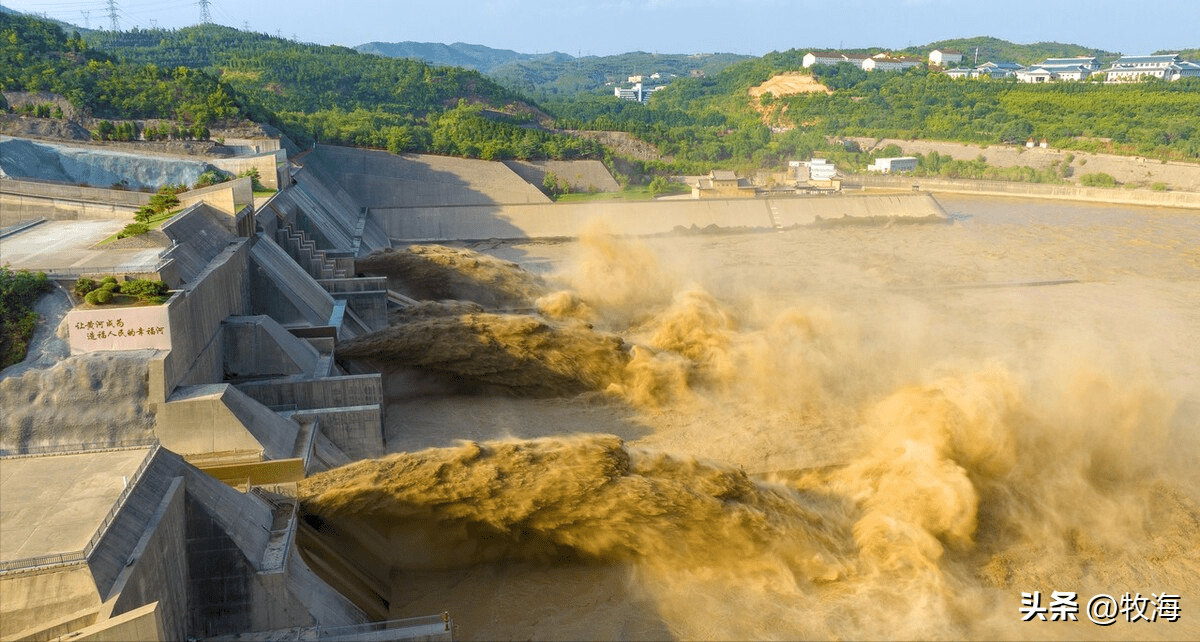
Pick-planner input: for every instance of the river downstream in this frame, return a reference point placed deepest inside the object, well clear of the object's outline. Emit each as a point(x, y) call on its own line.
point(866, 432)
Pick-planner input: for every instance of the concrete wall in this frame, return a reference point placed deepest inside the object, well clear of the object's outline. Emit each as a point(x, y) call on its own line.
point(218, 418)
point(260, 347)
point(59, 600)
point(1035, 190)
point(326, 392)
point(159, 575)
point(356, 430)
point(582, 176)
point(219, 575)
point(197, 351)
point(267, 165)
point(380, 179)
point(142, 624)
point(228, 197)
point(569, 220)
point(26, 200)
point(367, 297)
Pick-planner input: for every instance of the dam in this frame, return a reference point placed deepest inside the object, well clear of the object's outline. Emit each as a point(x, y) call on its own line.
point(283, 459)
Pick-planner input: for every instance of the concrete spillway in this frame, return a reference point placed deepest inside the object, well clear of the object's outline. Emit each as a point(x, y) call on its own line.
point(563, 220)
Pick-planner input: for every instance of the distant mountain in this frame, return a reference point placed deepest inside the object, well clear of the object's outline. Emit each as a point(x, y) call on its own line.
point(556, 75)
point(459, 54)
point(995, 49)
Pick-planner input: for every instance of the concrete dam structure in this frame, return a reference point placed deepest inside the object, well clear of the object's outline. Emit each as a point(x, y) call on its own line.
point(149, 478)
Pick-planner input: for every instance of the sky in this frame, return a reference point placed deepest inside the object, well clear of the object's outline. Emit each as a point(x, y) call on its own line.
point(607, 27)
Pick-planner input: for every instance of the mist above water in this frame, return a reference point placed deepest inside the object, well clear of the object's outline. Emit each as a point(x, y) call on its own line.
point(847, 435)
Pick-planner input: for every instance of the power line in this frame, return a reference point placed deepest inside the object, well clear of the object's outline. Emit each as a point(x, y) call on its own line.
point(112, 15)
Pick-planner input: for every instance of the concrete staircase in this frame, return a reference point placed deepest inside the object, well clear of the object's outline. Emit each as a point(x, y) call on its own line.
point(306, 253)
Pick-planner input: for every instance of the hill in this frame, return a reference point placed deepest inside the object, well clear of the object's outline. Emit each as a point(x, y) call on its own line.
point(477, 57)
point(202, 74)
point(557, 74)
point(995, 49)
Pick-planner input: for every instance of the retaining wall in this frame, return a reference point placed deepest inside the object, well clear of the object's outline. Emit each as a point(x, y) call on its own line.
point(268, 165)
point(25, 200)
point(197, 354)
point(228, 197)
point(1034, 190)
point(569, 220)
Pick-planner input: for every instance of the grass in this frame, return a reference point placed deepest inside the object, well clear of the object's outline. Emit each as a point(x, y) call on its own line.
point(155, 222)
point(264, 192)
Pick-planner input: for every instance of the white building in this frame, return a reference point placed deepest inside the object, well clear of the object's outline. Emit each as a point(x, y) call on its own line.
point(1165, 67)
point(945, 57)
point(822, 58)
point(998, 69)
point(638, 92)
point(887, 63)
point(834, 57)
point(820, 169)
point(893, 165)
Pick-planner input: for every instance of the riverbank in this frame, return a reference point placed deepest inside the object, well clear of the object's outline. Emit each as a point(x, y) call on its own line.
point(1121, 196)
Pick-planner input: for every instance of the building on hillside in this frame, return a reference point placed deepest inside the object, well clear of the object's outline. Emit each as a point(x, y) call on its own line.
point(1092, 63)
point(834, 57)
point(856, 59)
point(1055, 69)
point(1164, 67)
point(723, 183)
point(888, 63)
point(638, 92)
point(822, 58)
point(962, 72)
point(945, 57)
point(893, 165)
point(1002, 69)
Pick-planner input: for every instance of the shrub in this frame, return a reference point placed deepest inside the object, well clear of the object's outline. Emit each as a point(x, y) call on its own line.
point(1098, 179)
point(133, 229)
point(83, 285)
point(145, 289)
point(111, 287)
point(18, 292)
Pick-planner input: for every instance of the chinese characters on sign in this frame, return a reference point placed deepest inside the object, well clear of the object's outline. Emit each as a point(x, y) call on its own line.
point(99, 330)
point(120, 329)
point(1101, 609)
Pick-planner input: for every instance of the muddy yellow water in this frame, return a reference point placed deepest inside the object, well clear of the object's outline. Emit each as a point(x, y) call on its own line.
point(851, 432)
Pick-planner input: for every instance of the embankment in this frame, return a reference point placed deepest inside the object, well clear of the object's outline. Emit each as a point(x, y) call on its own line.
point(1189, 200)
point(570, 220)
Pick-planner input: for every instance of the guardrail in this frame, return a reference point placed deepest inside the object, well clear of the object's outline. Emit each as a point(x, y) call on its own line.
point(60, 272)
point(363, 631)
point(79, 557)
point(93, 447)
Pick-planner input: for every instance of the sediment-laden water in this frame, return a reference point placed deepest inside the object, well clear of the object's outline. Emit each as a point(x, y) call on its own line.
point(880, 432)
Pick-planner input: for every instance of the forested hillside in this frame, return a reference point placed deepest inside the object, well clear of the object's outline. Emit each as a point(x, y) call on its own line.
point(995, 49)
point(559, 75)
point(698, 122)
point(36, 55)
point(315, 93)
point(459, 54)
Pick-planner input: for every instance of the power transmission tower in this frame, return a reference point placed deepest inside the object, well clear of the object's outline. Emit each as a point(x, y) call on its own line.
point(87, 19)
point(112, 15)
point(205, 14)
